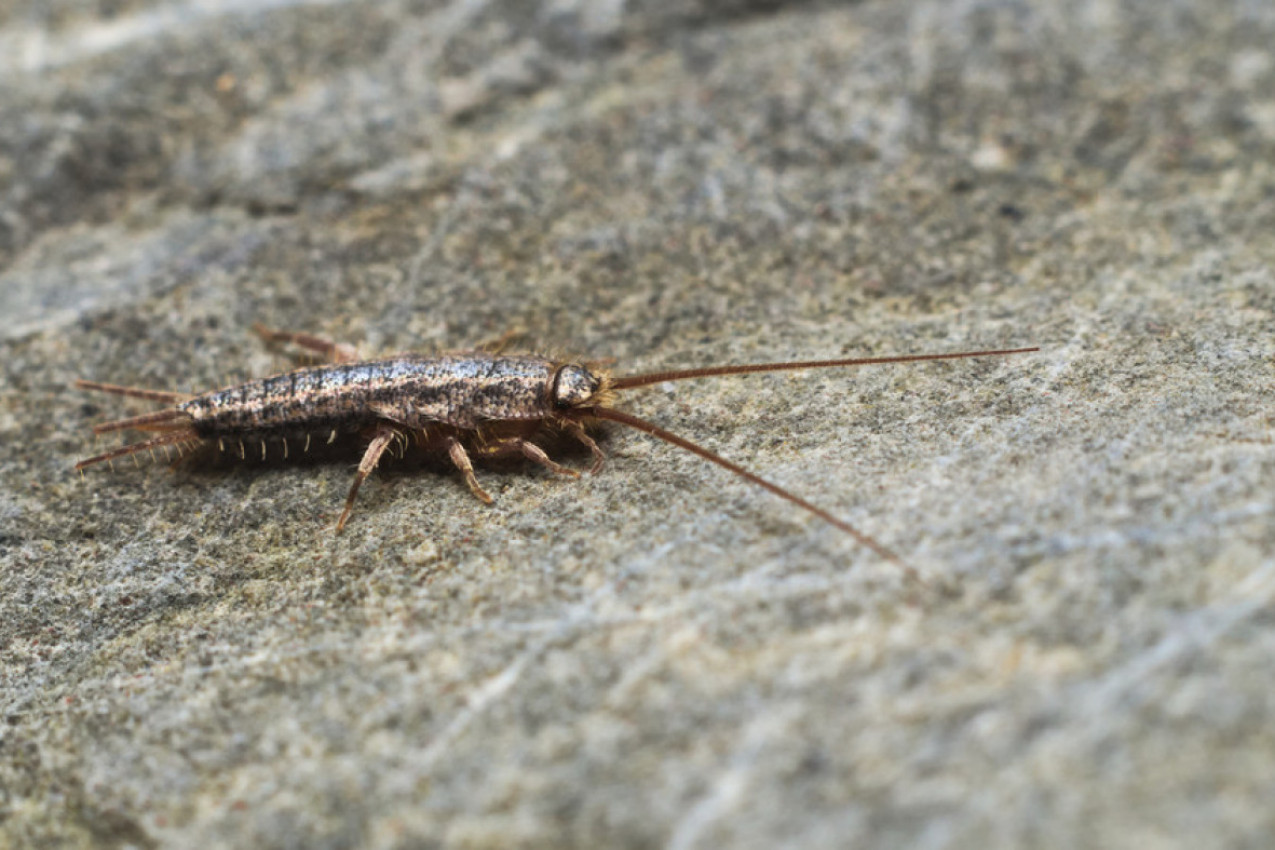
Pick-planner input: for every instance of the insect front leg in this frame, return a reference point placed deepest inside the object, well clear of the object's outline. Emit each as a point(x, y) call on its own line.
point(518, 446)
point(335, 352)
point(576, 430)
point(381, 441)
point(460, 457)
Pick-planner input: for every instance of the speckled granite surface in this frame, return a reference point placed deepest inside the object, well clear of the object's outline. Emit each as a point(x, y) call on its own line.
point(656, 655)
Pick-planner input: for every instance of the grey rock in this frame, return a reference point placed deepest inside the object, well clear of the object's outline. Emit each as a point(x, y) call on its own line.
point(658, 655)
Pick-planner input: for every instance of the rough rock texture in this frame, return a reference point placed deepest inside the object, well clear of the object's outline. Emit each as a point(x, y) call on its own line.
point(659, 655)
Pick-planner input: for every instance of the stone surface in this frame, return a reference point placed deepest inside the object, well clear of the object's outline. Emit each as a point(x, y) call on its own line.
point(657, 655)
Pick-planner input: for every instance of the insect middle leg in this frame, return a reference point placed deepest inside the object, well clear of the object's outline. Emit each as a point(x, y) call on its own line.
point(460, 457)
point(336, 352)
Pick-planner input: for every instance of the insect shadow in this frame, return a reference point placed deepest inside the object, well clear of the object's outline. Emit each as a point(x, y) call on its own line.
point(456, 407)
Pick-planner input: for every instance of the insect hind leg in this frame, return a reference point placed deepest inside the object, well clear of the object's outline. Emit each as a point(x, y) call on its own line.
point(380, 442)
point(335, 352)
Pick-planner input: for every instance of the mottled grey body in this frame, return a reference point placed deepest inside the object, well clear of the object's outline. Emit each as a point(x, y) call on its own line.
point(412, 390)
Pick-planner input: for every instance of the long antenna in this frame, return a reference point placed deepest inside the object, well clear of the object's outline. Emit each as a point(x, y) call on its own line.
point(631, 381)
point(654, 430)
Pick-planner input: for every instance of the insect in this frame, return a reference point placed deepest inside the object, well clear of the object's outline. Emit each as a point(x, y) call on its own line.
point(464, 405)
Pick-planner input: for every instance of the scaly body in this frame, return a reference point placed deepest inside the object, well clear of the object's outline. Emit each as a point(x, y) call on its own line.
point(478, 403)
point(415, 390)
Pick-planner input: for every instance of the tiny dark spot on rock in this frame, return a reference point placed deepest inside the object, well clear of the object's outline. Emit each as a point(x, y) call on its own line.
point(1011, 212)
point(814, 762)
point(264, 209)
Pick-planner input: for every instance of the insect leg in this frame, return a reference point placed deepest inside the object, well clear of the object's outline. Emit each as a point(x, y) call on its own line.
point(336, 352)
point(533, 452)
point(460, 457)
point(529, 450)
point(500, 343)
point(380, 442)
point(576, 430)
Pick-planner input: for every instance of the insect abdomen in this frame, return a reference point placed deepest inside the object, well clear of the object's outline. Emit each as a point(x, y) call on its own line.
point(330, 397)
